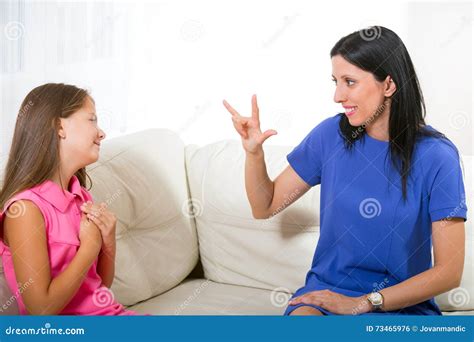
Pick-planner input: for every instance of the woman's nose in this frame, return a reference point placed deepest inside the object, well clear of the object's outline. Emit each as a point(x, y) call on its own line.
point(339, 95)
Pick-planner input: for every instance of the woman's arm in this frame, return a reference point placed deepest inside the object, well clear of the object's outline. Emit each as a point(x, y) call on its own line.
point(266, 197)
point(26, 237)
point(448, 248)
point(448, 244)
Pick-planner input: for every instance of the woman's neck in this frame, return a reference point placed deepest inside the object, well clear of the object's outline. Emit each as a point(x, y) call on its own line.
point(379, 127)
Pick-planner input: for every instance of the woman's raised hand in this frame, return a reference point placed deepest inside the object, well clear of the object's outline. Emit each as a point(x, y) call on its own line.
point(249, 127)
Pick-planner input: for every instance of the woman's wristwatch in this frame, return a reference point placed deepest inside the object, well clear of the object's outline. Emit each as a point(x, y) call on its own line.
point(376, 300)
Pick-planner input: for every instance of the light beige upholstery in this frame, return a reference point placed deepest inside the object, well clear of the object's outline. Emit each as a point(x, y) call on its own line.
point(249, 267)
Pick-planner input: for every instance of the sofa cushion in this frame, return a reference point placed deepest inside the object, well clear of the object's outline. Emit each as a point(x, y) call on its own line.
point(142, 178)
point(205, 297)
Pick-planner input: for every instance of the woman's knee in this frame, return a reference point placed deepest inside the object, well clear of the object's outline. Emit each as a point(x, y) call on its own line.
point(306, 311)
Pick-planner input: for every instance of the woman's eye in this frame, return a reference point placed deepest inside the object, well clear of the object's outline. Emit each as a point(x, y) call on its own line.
point(350, 81)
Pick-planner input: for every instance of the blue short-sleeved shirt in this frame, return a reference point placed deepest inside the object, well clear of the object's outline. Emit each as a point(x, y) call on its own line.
point(369, 237)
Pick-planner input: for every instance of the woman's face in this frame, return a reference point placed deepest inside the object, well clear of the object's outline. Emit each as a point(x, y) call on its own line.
point(80, 137)
point(359, 92)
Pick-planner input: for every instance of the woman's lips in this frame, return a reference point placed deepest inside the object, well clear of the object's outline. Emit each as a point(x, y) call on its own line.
point(350, 110)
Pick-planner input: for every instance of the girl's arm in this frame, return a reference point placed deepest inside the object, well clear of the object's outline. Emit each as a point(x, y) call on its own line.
point(106, 264)
point(26, 237)
point(448, 249)
point(106, 221)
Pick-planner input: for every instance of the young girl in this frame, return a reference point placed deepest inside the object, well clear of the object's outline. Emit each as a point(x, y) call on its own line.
point(57, 246)
point(391, 188)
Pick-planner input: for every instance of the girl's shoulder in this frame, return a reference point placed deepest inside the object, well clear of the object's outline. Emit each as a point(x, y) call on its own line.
point(16, 206)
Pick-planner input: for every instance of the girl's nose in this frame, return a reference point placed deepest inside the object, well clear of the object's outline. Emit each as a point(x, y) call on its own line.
point(101, 134)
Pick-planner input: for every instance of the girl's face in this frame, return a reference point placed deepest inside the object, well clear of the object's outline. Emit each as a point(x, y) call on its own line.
point(80, 137)
point(359, 92)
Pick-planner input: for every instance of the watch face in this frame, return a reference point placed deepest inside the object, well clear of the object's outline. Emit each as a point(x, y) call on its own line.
point(376, 298)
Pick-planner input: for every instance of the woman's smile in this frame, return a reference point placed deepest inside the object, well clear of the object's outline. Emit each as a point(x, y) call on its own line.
point(350, 110)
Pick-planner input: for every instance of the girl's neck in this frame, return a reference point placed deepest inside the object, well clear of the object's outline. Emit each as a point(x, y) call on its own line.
point(62, 178)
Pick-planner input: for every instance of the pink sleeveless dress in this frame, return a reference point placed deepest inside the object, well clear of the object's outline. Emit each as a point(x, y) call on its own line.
point(62, 216)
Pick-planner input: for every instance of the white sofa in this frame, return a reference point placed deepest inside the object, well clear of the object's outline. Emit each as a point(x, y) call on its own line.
point(215, 259)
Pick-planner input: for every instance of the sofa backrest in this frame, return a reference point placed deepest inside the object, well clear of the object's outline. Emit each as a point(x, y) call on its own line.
point(142, 177)
point(234, 247)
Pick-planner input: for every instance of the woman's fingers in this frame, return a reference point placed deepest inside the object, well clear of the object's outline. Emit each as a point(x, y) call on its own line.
point(296, 300)
point(309, 298)
point(230, 108)
point(255, 110)
point(240, 125)
point(267, 134)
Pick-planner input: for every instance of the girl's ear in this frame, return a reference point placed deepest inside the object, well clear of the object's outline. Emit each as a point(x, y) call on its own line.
point(60, 129)
point(390, 86)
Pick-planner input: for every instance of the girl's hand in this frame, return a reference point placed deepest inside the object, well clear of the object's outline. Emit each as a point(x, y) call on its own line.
point(104, 219)
point(334, 302)
point(90, 236)
point(249, 127)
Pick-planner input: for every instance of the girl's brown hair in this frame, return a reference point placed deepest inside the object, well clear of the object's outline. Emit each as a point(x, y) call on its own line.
point(34, 153)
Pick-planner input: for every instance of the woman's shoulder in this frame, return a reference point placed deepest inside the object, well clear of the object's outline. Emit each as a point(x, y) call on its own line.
point(327, 127)
point(434, 148)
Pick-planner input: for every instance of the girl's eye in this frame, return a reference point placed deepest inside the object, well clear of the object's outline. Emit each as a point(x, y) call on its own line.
point(350, 81)
point(93, 120)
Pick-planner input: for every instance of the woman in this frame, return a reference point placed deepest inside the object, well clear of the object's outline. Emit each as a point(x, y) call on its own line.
point(391, 187)
point(57, 246)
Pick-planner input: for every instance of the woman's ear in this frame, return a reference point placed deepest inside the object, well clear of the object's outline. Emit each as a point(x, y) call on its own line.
point(390, 86)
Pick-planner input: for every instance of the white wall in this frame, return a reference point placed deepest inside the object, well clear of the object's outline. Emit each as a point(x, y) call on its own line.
point(170, 63)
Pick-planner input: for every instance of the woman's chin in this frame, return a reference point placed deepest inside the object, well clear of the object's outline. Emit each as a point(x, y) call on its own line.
point(354, 121)
point(357, 121)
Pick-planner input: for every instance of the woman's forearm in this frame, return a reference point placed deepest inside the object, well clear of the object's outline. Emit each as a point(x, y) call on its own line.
point(258, 185)
point(420, 288)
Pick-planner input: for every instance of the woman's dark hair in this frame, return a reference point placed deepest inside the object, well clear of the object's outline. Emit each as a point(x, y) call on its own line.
point(34, 153)
point(381, 52)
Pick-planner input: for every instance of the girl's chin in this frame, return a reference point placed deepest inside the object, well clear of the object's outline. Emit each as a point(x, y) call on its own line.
point(92, 158)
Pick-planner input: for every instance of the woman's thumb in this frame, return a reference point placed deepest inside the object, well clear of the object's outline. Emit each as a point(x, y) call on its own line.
point(267, 134)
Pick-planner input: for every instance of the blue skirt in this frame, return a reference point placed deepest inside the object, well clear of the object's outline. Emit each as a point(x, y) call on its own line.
point(428, 307)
